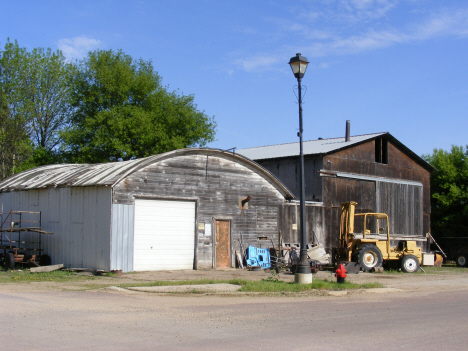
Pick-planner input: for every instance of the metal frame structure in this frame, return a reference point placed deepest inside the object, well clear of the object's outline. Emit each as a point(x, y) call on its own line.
point(25, 249)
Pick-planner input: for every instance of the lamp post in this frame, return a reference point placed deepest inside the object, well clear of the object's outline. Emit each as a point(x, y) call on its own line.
point(303, 274)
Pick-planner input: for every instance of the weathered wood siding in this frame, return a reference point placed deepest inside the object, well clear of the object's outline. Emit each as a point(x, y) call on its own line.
point(403, 204)
point(287, 170)
point(361, 160)
point(216, 184)
point(339, 190)
point(407, 205)
point(320, 222)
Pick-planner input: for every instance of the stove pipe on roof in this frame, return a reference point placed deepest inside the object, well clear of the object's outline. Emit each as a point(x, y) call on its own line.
point(348, 127)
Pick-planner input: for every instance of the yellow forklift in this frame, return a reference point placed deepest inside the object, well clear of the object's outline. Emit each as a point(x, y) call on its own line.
point(366, 250)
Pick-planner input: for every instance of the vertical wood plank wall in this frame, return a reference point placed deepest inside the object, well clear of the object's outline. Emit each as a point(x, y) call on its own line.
point(287, 170)
point(408, 206)
point(361, 160)
point(403, 204)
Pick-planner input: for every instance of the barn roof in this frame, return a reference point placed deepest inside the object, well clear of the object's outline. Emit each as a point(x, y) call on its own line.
point(109, 174)
point(324, 147)
point(311, 147)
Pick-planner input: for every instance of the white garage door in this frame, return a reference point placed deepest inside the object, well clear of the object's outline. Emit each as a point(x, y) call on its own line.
point(164, 236)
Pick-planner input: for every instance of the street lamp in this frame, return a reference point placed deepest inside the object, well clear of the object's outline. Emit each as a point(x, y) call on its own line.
point(303, 274)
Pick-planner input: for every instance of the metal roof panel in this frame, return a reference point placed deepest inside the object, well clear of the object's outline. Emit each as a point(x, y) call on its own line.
point(312, 147)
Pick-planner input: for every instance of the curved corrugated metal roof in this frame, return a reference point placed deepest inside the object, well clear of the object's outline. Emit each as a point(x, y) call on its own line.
point(109, 174)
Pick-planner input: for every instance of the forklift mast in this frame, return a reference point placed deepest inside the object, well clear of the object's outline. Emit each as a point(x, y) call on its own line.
point(347, 222)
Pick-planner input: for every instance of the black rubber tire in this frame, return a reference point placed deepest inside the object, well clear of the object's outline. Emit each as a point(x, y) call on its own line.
point(409, 264)
point(461, 260)
point(277, 269)
point(9, 261)
point(369, 256)
point(45, 260)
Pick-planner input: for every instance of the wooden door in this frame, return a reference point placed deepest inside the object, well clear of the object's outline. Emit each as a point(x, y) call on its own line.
point(223, 241)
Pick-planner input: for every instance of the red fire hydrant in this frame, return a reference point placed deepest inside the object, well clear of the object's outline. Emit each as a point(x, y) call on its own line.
point(340, 273)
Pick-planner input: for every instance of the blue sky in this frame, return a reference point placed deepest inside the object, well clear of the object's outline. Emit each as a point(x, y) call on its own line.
point(387, 65)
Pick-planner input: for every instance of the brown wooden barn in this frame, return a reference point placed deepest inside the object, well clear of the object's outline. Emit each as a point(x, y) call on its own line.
point(375, 170)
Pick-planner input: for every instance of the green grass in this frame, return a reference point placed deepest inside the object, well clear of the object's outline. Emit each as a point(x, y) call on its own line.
point(271, 284)
point(27, 276)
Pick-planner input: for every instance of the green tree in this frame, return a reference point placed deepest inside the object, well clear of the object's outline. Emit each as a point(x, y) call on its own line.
point(35, 88)
point(123, 112)
point(15, 145)
point(449, 188)
point(47, 89)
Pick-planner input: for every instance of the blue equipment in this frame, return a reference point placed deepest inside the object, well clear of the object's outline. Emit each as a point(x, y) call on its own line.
point(258, 257)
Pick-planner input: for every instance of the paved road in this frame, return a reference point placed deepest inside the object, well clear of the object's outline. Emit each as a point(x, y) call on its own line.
point(85, 320)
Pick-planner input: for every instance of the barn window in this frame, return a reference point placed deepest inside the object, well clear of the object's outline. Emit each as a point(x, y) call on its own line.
point(381, 150)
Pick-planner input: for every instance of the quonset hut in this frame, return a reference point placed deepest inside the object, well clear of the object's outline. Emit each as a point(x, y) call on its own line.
point(185, 209)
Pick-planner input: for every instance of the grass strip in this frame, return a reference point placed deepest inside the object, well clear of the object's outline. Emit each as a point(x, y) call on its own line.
point(317, 284)
point(27, 276)
point(266, 285)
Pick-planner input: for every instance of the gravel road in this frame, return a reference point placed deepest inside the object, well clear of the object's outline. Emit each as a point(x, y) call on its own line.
point(421, 312)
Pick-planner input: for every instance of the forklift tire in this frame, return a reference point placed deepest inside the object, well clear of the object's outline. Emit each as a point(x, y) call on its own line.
point(9, 261)
point(369, 256)
point(409, 264)
point(461, 260)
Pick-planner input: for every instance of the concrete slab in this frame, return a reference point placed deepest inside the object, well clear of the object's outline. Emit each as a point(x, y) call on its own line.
point(229, 288)
point(381, 290)
point(119, 290)
point(187, 288)
point(368, 291)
